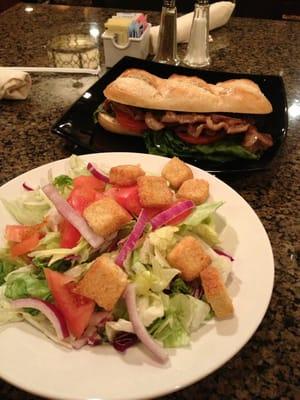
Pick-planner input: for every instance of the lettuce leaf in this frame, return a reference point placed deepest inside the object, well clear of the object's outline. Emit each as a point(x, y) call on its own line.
point(82, 249)
point(30, 208)
point(113, 327)
point(150, 308)
point(8, 264)
point(200, 214)
point(77, 167)
point(20, 284)
point(167, 143)
point(7, 313)
point(183, 316)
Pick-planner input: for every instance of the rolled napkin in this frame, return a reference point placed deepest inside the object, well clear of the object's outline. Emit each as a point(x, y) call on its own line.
point(219, 14)
point(14, 84)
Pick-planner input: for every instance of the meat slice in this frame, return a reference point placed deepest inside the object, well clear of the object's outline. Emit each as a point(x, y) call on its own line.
point(171, 117)
point(255, 141)
point(152, 122)
point(215, 126)
point(195, 130)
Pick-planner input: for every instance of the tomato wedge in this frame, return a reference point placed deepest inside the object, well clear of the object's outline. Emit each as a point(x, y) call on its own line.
point(130, 123)
point(69, 235)
point(79, 199)
point(90, 182)
point(25, 246)
point(76, 309)
point(17, 233)
point(127, 197)
point(185, 137)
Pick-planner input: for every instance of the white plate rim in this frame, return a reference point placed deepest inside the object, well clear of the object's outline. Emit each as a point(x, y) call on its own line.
point(154, 389)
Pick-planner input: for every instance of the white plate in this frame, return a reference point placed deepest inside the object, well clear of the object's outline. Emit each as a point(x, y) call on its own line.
point(32, 362)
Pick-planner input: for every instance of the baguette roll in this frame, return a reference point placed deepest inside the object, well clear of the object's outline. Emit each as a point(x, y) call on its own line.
point(139, 88)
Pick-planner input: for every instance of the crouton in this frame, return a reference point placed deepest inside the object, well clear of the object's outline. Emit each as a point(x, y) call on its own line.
point(189, 257)
point(106, 216)
point(104, 282)
point(195, 190)
point(125, 175)
point(176, 172)
point(154, 191)
point(216, 292)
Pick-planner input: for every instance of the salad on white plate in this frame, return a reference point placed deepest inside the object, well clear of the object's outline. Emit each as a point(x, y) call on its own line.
point(115, 257)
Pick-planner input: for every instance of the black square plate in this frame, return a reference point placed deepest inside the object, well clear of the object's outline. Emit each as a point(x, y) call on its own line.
point(78, 127)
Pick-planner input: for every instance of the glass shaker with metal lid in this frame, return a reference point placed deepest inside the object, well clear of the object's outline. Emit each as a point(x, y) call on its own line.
point(197, 54)
point(167, 38)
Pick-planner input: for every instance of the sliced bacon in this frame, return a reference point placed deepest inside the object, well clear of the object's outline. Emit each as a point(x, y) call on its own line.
point(237, 129)
point(172, 117)
point(195, 130)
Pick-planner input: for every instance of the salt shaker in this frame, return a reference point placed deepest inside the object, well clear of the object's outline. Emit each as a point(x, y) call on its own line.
point(167, 38)
point(197, 54)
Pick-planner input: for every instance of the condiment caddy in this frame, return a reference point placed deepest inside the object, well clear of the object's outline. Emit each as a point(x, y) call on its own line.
point(126, 34)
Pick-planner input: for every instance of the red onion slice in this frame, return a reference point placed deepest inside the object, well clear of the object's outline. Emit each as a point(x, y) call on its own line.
point(64, 208)
point(97, 174)
point(138, 327)
point(132, 239)
point(174, 211)
point(27, 187)
point(223, 253)
point(49, 310)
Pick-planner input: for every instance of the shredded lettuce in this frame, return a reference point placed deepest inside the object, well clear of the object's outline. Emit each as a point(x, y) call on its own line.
point(200, 214)
point(113, 327)
point(179, 286)
point(30, 208)
point(77, 167)
point(50, 241)
point(184, 315)
point(150, 308)
point(82, 249)
point(7, 313)
point(20, 284)
point(8, 264)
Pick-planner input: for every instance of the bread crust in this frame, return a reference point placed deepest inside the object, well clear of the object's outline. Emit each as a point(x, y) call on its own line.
point(139, 88)
point(110, 124)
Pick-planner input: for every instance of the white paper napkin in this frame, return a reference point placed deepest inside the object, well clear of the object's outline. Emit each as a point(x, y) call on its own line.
point(14, 84)
point(219, 14)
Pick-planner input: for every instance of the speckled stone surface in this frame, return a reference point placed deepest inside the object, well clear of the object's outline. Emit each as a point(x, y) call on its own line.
point(268, 366)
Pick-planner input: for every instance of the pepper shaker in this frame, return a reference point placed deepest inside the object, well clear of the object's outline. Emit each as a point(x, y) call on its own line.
point(167, 38)
point(197, 54)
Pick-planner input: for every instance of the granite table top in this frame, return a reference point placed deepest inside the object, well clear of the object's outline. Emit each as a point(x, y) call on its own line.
point(268, 366)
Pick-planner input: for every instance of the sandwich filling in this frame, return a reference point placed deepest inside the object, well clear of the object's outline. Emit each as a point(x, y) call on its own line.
point(191, 128)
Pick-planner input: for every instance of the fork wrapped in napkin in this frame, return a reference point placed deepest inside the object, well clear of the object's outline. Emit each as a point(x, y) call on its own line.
point(14, 84)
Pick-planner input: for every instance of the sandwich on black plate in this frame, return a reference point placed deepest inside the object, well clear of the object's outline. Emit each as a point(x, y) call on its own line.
point(186, 116)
